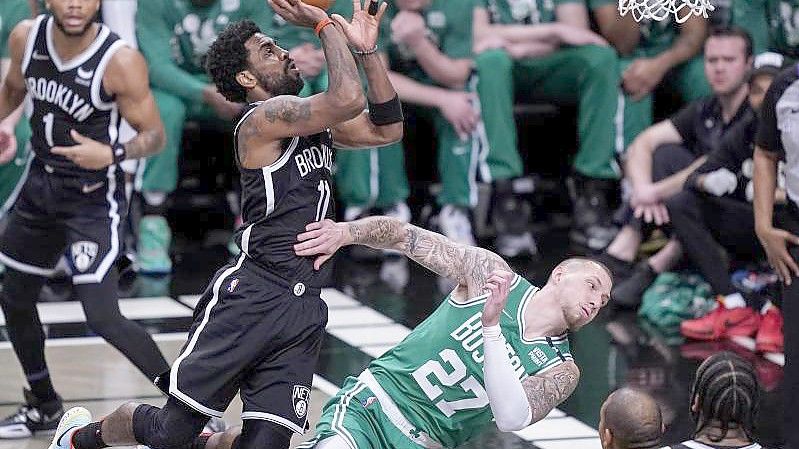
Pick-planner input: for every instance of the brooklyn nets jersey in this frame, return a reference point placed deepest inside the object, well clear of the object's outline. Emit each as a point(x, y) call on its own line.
point(435, 375)
point(279, 200)
point(69, 95)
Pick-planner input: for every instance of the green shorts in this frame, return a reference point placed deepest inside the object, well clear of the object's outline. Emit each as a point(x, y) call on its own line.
point(355, 415)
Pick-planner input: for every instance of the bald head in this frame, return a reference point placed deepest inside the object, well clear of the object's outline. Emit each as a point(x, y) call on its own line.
point(630, 419)
point(581, 263)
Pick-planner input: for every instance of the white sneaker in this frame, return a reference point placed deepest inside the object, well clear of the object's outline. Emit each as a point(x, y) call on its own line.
point(515, 245)
point(353, 213)
point(454, 223)
point(400, 211)
point(74, 419)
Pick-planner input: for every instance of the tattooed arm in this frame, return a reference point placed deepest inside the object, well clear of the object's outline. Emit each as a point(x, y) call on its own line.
point(126, 77)
point(545, 391)
point(287, 115)
point(469, 266)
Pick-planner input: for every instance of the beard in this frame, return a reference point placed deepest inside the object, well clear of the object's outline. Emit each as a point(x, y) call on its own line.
point(281, 84)
point(63, 29)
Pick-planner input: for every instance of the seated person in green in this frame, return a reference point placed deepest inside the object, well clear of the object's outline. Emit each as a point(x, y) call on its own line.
point(432, 65)
point(174, 37)
point(773, 24)
point(544, 50)
point(495, 351)
point(652, 53)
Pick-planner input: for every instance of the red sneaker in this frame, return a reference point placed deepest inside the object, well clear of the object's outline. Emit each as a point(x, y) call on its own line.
point(722, 323)
point(769, 336)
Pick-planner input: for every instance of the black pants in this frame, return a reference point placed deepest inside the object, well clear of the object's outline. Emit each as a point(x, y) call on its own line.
point(706, 225)
point(667, 160)
point(790, 312)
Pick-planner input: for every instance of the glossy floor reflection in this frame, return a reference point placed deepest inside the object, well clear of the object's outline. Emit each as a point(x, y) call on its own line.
point(613, 351)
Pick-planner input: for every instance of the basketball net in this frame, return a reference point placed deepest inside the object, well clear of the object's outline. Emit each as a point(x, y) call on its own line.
point(660, 9)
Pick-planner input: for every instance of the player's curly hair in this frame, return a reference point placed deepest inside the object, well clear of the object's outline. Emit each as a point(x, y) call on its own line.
point(228, 56)
point(727, 392)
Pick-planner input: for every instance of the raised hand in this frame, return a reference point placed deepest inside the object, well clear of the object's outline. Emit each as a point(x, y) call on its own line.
point(298, 13)
point(364, 28)
point(497, 285)
point(89, 154)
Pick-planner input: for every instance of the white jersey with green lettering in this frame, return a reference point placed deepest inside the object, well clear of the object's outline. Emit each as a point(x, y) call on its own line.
point(435, 375)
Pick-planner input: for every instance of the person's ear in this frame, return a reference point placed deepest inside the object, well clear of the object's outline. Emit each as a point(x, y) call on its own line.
point(606, 439)
point(246, 79)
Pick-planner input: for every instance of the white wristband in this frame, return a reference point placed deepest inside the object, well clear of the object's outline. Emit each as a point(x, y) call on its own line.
point(492, 333)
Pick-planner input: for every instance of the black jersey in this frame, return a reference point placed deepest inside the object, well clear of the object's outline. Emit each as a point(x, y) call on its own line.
point(279, 200)
point(69, 95)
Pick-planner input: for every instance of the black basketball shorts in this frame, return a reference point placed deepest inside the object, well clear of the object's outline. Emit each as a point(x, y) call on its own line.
point(255, 333)
point(55, 212)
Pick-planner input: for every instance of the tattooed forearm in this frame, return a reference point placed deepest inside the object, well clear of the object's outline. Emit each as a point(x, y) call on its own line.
point(546, 391)
point(377, 232)
point(466, 265)
point(343, 72)
point(146, 143)
point(286, 109)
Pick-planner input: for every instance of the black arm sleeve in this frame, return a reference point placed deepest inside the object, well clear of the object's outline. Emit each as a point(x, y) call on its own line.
point(768, 133)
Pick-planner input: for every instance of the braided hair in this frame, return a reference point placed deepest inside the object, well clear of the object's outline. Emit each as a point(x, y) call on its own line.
point(726, 391)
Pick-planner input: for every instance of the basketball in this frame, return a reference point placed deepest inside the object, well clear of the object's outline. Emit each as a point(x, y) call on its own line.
point(324, 4)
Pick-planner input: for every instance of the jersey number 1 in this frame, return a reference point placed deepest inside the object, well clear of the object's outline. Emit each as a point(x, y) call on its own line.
point(433, 392)
point(49, 120)
point(324, 200)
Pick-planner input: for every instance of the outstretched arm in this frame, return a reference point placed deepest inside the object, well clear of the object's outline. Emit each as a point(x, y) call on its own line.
point(469, 266)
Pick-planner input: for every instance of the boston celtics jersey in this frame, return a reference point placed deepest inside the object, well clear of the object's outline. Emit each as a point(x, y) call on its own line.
point(524, 12)
point(783, 21)
point(657, 36)
point(190, 26)
point(773, 24)
point(449, 27)
point(435, 375)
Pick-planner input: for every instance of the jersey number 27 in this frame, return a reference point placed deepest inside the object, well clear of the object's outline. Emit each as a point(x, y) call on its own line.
point(458, 373)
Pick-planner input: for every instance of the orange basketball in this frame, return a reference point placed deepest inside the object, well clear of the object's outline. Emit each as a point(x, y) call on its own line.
point(324, 4)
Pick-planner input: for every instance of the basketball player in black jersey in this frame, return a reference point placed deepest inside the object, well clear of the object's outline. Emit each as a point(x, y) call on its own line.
point(259, 325)
point(81, 79)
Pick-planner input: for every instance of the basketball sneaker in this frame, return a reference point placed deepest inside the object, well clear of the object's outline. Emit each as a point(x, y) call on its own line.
point(454, 222)
point(769, 336)
point(721, 323)
point(399, 211)
point(31, 418)
point(511, 217)
point(154, 241)
point(73, 419)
